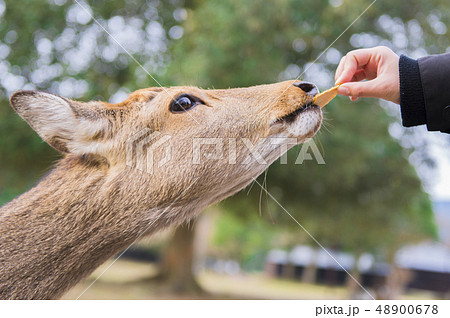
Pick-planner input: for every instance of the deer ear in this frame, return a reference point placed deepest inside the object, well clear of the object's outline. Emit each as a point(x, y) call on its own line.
point(63, 124)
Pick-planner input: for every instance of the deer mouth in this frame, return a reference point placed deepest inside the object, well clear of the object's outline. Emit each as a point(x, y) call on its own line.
point(291, 117)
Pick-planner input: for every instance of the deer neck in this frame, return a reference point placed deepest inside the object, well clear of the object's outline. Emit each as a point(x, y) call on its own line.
point(74, 220)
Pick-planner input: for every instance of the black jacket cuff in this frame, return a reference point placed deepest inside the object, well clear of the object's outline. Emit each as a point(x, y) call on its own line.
point(412, 102)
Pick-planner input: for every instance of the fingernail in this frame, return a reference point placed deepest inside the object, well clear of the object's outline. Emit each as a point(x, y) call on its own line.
point(338, 81)
point(343, 90)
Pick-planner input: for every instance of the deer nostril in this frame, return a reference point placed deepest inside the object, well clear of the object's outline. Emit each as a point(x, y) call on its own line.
point(308, 88)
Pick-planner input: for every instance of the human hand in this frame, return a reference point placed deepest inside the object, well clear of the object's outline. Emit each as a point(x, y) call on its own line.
point(379, 66)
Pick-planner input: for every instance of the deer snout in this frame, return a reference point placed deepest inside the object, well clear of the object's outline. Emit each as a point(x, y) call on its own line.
point(308, 88)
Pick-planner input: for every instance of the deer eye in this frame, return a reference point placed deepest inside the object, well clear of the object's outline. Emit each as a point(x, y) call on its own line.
point(183, 103)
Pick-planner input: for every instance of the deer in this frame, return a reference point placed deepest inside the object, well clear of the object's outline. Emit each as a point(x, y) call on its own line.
point(94, 203)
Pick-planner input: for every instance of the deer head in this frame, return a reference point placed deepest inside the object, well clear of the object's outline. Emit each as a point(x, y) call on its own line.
point(203, 136)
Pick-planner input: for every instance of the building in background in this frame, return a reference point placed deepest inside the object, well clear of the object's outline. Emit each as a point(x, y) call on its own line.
point(424, 266)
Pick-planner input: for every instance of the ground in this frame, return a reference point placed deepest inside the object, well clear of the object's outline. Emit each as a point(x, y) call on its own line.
point(132, 280)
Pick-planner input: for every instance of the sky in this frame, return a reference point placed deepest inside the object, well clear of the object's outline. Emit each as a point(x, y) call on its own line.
point(440, 188)
point(436, 180)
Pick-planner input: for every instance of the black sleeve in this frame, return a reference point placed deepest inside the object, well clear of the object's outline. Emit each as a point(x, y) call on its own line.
point(425, 91)
point(435, 74)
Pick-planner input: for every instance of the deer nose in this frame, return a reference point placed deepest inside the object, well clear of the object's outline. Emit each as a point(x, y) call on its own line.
point(308, 88)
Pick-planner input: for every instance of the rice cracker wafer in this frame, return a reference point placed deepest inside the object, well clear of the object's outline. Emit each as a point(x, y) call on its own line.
point(325, 97)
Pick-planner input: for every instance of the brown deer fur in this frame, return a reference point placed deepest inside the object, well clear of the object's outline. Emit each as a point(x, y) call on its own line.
point(93, 205)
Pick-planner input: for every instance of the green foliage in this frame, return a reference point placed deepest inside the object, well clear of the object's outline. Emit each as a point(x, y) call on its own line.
point(367, 197)
point(244, 244)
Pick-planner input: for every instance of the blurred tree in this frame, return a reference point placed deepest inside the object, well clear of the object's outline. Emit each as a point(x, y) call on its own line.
point(177, 261)
point(367, 197)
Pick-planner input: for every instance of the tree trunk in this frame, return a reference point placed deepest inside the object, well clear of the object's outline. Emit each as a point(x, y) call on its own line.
point(395, 284)
point(397, 279)
point(310, 270)
point(354, 284)
point(309, 273)
point(177, 261)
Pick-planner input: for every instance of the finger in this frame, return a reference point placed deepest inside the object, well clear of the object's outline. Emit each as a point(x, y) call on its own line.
point(339, 69)
point(359, 76)
point(371, 88)
point(354, 61)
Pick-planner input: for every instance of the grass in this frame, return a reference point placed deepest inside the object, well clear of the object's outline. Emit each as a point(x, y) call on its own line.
point(133, 280)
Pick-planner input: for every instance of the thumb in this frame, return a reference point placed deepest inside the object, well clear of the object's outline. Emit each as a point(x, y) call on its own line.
point(372, 88)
